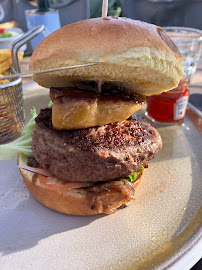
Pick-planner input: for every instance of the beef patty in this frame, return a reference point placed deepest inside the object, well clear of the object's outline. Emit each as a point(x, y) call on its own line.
point(97, 153)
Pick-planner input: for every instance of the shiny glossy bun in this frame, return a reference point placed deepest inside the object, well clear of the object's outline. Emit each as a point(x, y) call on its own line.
point(77, 201)
point(132, 54)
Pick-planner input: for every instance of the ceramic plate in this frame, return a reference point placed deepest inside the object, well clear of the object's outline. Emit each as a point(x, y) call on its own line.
point(160, 230)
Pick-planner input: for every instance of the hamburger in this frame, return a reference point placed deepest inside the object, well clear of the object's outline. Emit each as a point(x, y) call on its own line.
point(89, 153)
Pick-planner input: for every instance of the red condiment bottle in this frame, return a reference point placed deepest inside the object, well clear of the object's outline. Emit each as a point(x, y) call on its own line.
point(169, 107)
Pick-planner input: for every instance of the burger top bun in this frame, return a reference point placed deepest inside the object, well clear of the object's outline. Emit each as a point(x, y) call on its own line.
point(132, 54)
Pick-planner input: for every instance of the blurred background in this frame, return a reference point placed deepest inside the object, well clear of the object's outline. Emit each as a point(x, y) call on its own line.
point(161, 12)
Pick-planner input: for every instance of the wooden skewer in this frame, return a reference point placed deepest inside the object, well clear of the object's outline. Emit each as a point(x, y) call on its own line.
point(104, 8)
point(104, 15)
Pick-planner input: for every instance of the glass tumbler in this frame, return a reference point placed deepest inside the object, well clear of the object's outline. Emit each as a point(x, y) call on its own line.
point(170, 107)
point(189, 43)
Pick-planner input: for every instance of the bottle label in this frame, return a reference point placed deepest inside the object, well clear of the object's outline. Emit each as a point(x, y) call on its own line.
point(180, 107)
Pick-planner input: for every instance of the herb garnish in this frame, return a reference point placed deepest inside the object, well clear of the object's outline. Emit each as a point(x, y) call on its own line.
point(132, 177)
point(140, 169)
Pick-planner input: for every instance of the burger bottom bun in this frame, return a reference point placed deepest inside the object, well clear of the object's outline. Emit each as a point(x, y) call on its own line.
point(79, 201)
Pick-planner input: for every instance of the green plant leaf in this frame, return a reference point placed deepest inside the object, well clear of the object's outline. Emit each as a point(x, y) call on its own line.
point(23, 144)
point(50, 104)
point(140, 169)
point(132, 177)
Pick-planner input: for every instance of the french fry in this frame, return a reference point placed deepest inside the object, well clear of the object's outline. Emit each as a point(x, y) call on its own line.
point(21, 54)
point(6, 60)
point(5, 65)
point(4, 55)
point(10, 24)
point(3, 81)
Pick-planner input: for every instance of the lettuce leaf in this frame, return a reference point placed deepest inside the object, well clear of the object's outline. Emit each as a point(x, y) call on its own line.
point(21, 145)
point(50, 104)
point(131, 177)
point(140, 169)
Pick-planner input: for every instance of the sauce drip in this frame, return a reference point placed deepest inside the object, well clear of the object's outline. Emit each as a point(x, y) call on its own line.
point(99, 86)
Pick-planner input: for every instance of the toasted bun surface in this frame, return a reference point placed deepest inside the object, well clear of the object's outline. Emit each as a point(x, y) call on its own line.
point(133, 54)
point(74, 201)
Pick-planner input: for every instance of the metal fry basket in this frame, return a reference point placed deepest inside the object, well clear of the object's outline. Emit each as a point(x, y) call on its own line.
point(12, 113)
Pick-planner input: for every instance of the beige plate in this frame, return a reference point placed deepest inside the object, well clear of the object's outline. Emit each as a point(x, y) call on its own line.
point(160, 230)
